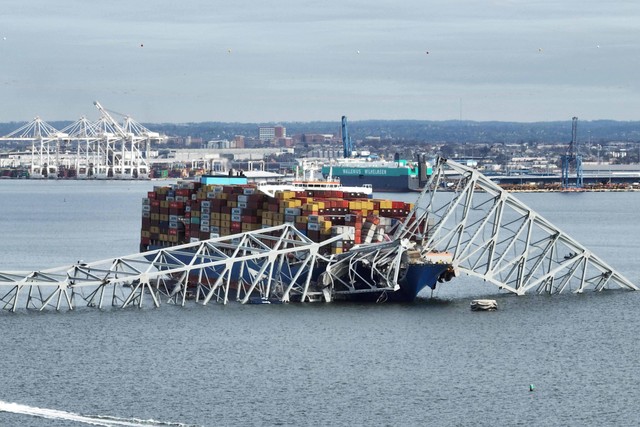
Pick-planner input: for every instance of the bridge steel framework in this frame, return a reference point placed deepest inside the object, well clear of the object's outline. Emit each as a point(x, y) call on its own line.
point(497, 238)
point(489, 233)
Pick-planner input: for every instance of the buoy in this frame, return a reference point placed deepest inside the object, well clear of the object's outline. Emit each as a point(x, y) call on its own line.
point(531, 387)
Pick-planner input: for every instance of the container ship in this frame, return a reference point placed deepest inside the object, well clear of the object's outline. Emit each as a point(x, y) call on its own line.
point(191, 211)
point(383, 176)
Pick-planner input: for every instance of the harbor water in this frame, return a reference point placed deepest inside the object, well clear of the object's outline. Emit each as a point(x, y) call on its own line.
point(538, 360)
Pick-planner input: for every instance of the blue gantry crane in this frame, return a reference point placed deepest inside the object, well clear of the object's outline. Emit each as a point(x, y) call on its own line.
point(347, 145)
point(572, 155)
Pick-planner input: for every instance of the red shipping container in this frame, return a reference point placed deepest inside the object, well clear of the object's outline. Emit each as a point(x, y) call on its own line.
point(249, 219)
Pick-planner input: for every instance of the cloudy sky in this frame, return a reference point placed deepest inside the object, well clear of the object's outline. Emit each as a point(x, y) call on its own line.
point(299, 60)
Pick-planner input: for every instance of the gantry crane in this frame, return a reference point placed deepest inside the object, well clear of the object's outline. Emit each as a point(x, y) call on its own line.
point(129, 161)
point(572, 154)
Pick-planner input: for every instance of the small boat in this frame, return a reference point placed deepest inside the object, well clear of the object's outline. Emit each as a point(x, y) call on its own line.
point(484, 305)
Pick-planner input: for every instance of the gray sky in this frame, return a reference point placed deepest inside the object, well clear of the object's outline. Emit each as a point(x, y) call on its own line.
point(299, 60)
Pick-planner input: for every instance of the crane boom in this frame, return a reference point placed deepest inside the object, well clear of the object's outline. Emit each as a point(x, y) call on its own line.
point(111, 120)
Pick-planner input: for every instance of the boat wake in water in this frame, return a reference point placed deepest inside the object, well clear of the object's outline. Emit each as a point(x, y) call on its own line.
point(96, 420)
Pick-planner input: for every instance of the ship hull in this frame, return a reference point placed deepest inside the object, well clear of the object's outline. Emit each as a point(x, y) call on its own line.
point(383, 184)
point(418, 277)
point(382, 176)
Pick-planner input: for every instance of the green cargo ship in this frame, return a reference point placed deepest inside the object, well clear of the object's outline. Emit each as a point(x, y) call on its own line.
point(384, 176)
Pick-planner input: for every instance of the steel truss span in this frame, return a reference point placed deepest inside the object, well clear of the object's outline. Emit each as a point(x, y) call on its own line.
point(486, 232)
point(276, 264)
point(497, 238)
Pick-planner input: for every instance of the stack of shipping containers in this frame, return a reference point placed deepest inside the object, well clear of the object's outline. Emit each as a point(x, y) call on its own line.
point(190, 211)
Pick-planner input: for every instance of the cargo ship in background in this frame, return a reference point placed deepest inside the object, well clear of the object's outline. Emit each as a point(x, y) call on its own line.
point(396, 176)
point(217, 206)
point(383, 176)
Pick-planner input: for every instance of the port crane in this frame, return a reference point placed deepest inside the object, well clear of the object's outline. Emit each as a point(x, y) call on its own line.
point(128, 160)
point(347, 144)
point(45, 144)
point(105, 148)
point(572, 154)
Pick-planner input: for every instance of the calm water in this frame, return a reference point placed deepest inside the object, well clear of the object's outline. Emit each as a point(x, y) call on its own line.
point(433, 362)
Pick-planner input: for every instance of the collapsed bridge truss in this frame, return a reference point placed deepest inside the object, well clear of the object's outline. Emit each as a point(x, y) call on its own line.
point(490, 234)
point(276, 264)
point(495, 237)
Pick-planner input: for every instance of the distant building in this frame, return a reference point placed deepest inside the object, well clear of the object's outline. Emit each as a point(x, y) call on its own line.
point(325, 153)
point(271, 133)
point(318, 138)
point(284, 142)
point(219, 144)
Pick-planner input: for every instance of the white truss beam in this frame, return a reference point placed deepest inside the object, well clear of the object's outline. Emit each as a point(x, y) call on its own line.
point(497, 238)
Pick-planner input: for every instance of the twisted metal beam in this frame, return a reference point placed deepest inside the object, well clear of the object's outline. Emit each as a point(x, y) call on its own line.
point(497, 238)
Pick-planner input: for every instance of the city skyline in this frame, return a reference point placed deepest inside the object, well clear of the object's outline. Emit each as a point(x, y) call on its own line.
point(196, 61)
